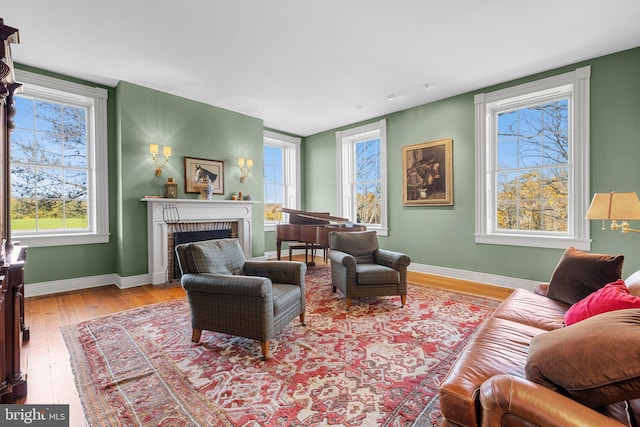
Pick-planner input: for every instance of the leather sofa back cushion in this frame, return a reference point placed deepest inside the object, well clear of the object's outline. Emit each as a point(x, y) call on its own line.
point(580, 273)
point(614, 296)
point(595, 362)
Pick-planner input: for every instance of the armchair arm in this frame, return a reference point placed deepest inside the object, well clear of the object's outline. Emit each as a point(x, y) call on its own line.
point(392, 259)
point(286, 272)
point(342, 258)
point(519, 399)
point(227, 284)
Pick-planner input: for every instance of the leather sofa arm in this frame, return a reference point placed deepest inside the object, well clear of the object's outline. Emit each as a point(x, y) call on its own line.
point(227, 284)
point(511, 400)
point(285, 272)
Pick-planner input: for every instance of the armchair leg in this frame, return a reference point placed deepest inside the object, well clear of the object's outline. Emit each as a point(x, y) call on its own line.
point(348, 303)
point(265, 349)
point(302, 319)
point(403, 299)
point(334, 289)
point(195, 335)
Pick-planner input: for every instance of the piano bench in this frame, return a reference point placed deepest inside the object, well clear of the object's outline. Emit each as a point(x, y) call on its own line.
point(297, 245)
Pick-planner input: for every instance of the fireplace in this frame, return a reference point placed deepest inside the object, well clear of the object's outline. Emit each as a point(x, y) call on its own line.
point(168, 216)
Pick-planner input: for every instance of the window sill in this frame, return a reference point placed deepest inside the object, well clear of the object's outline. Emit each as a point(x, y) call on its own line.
point(533, 241)
point(61, 240)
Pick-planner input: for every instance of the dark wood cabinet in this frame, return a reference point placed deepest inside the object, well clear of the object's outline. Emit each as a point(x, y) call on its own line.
point(13, 383)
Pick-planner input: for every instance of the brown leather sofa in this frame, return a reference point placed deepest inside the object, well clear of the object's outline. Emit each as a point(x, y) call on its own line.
point(487, 385)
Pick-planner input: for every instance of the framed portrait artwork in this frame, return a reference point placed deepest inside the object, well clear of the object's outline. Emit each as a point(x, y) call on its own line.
point(196, 169)
point(427, 173)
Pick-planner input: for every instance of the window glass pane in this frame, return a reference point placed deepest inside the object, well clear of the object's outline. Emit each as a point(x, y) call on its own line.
point(26, 118)
point(75, 136)
point(278, 190)
point(529, 140)
point(50, 214)
point(48, 148)
point(367, 181)
point(22, 146)
point(50, 166)
point(48, 116)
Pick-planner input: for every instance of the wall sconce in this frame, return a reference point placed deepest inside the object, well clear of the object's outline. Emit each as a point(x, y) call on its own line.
point(166, 152)
point(245, 167)
point(615, 206)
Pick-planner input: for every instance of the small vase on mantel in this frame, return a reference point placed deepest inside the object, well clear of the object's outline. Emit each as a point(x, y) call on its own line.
point(206, 188)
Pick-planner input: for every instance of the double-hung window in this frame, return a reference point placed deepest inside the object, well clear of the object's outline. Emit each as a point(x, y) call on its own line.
point(59, 192)
point(362, 175)
point(281, 176)
point(532, 163)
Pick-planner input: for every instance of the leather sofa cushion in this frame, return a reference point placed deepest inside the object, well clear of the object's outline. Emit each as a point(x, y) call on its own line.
point(499, 347)
point(532, 309)
point(375, 274)
point(594, 361)
point(580, 273)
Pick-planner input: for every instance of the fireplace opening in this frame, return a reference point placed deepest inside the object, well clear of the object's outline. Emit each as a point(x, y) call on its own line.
point(195, 236)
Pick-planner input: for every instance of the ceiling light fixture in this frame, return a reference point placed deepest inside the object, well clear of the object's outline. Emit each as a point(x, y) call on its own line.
point(391, 97)
point(426, 85)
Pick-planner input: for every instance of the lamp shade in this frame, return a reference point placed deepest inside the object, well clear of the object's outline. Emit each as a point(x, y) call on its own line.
point(624, 206)
point(153, 148)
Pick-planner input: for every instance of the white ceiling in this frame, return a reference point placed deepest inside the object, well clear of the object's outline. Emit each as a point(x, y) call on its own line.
point(307, 66)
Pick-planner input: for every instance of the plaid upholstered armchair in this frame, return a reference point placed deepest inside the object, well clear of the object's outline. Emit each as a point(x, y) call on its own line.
point(227, 294)
point(359, 268)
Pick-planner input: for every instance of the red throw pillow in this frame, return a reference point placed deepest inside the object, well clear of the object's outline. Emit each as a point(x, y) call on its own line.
point(614, 296)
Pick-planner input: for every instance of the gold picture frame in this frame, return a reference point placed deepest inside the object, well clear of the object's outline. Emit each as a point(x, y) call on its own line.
point(427, 173)
point(195, 169)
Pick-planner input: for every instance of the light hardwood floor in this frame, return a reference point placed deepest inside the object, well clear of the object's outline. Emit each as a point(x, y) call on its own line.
point(45, 358)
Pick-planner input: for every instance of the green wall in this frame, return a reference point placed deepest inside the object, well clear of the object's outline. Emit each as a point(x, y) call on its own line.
point(439, 236)
point(192, 129)
point(444, 236)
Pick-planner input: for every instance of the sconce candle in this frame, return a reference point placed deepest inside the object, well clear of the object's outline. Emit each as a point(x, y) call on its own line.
point(166, 152)
point(245, 167)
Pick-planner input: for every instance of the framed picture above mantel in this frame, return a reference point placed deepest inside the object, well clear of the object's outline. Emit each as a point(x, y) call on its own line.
point(195, 169)
point(427, 173)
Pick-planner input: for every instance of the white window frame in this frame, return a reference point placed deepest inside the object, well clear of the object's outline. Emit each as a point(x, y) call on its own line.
point(291, 170)
point(486, 106)
point(345, 149)
point(98, 190)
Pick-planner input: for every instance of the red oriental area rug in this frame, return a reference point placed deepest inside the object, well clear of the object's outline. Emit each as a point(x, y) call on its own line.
point(376, 364)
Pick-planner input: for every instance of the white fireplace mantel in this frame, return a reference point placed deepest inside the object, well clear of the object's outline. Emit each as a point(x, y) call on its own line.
point(191, 210)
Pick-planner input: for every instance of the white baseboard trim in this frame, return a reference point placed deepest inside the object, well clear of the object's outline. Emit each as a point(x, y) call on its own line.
point(56, 286)
point(474, 276)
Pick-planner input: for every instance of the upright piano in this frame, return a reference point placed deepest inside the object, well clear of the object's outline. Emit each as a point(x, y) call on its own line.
point(311, 231)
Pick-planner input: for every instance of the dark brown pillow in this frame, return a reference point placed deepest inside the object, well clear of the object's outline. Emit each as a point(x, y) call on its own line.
point(580, 273)
point(595, 362)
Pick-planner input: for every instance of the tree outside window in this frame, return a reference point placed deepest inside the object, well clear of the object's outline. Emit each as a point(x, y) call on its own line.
point(49, 169)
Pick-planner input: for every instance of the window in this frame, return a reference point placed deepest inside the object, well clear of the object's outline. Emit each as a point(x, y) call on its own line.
point(59, 193)
point(281, 176)
point(532, 153)
point(362, 175)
